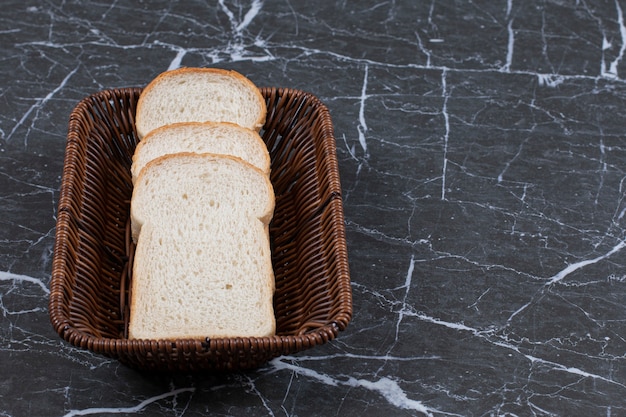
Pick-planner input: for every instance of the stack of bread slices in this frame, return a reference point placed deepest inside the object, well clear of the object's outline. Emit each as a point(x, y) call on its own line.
point(200, 209)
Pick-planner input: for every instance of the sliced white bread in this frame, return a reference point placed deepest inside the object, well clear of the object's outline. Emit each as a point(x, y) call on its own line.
point(199, 95)
point(202, 265)
point(218, 138)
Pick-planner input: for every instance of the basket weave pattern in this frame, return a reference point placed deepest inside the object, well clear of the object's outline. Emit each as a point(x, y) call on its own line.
point(92, 263)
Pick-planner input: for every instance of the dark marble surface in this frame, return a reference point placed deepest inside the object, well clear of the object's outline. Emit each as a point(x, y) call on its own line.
point(483, 161)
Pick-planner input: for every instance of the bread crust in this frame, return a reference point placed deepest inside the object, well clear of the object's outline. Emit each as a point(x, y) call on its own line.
point(145, 229)
point(202, 129)
point(136, 221)
point(203, 72)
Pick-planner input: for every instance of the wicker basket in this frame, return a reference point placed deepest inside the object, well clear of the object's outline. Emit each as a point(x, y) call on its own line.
point(92, 261)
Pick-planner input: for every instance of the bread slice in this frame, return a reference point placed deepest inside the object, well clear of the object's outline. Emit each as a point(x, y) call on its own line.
point(202, 265)
point(199, 95)
point(218, 138)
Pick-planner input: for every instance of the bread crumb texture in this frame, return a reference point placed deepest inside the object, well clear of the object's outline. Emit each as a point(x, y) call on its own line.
point(202, 264)
point(200, 95)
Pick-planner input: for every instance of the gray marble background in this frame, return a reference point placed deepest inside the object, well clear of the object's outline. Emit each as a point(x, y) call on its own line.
point(483, 161)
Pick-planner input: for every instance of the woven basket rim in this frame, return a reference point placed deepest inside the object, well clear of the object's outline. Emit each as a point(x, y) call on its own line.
point(316, 333)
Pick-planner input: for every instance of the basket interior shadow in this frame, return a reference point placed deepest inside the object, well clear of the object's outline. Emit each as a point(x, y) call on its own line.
point(93, 251)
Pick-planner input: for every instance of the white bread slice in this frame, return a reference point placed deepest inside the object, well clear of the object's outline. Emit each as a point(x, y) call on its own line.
point(218, 138)
point(202, 264)
point(199, 95)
